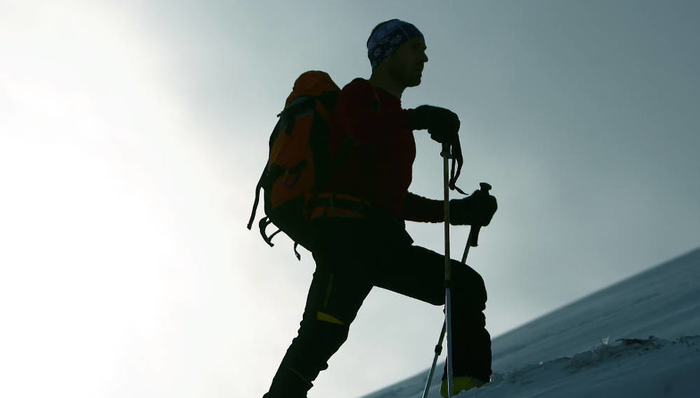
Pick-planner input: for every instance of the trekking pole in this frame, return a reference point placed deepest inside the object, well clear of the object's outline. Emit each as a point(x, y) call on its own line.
point(448, 265)
point(472, 240)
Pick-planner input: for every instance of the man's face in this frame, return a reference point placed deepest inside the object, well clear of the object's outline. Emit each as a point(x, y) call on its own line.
point(406, 63)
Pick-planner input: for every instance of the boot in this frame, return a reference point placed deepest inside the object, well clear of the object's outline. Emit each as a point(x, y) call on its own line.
point(461, 383)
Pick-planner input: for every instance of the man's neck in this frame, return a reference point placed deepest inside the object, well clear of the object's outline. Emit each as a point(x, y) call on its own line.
point(388, 85)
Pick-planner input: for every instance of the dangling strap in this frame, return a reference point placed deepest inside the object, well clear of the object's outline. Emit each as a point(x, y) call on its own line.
point(264, 222)
point(457, 160)
point(296, 252)
point(257, 198)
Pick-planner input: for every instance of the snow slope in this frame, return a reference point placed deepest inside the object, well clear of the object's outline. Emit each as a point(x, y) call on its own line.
point(637, 338)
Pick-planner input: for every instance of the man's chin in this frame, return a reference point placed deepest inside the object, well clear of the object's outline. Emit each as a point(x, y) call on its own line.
point(414, 81)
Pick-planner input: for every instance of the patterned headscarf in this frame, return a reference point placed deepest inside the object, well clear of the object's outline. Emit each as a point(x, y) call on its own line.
point(387, 37)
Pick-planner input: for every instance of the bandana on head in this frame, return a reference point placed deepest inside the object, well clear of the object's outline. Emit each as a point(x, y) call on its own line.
point(387, 37)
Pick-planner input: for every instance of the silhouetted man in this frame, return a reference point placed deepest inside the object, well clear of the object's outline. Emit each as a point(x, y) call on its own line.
point(361, 240)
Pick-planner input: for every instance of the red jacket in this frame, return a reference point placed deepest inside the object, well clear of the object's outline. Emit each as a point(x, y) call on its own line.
point(378, 167)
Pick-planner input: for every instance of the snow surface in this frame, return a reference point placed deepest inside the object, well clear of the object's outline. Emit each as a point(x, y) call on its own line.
point(638, 338)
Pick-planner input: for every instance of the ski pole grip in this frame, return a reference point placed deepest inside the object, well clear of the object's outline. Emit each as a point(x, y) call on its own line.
point(473, 239)
point(445, 153)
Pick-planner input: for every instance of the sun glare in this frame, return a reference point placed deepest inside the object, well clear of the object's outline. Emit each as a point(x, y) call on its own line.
point(99, 184)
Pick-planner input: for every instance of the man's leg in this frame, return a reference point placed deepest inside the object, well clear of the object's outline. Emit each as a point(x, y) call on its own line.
point(420, 273)
point(336, 294)
point(472, 342)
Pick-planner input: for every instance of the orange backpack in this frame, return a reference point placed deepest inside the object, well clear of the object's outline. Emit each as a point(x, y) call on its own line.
point(299, 161)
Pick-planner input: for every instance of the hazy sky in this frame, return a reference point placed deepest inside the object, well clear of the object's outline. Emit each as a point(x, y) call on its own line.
point(132, 135)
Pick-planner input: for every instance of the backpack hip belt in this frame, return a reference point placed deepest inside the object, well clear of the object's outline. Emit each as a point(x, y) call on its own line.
point(337, 205)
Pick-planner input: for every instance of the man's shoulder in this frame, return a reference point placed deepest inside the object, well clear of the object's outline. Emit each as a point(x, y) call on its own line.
point(357, 83)
point(359, 88)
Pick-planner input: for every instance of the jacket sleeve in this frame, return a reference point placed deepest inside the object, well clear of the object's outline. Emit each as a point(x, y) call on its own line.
point(420, 209)
point(358, 113)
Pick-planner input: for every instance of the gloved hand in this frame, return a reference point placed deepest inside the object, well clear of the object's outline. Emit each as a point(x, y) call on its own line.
point(476, 209)
point(442, 124)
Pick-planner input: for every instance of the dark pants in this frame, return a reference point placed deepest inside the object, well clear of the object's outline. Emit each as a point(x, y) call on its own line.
point(354, 255)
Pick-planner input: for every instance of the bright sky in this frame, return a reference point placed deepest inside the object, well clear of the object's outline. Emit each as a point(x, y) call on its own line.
point(132, 135)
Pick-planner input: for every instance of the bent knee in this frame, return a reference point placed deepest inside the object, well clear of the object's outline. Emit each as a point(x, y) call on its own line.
point(470, 282)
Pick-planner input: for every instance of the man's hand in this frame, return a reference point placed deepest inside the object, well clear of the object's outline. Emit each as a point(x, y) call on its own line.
point(442, 124)
point(476, 209)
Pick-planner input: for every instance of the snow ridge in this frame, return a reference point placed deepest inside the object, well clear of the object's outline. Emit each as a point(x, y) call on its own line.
point(551, 356)
point(629, 368)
